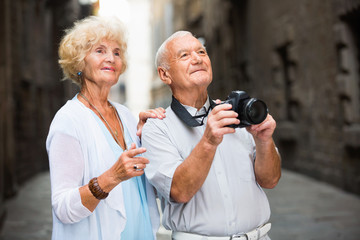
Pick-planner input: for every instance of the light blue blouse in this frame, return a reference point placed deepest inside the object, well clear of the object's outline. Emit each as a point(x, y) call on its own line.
point(138, 224)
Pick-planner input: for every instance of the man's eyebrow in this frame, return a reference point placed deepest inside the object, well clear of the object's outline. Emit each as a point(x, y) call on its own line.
point(180, 51)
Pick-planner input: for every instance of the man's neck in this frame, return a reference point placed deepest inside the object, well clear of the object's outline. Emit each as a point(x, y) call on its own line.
point(196, 100)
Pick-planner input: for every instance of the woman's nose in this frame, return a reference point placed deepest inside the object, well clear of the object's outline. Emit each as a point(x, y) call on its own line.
point(110, 57)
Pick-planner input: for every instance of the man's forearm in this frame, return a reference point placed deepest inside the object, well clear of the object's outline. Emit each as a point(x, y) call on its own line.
point(191, 174)
point(267, 164)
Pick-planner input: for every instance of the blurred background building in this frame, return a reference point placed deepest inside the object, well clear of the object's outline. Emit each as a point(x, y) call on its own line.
point(30, 87)
point(301, 57)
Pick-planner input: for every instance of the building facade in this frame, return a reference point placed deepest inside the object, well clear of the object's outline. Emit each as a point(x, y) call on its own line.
point(301, 57)
point(30, 87)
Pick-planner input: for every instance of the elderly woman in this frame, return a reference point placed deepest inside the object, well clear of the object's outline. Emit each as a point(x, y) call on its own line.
point(99, 190)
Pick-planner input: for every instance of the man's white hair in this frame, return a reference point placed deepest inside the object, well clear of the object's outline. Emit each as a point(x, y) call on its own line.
point(162, 52)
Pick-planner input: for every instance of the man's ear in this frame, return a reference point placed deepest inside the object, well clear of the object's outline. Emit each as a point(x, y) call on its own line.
point(164, 75)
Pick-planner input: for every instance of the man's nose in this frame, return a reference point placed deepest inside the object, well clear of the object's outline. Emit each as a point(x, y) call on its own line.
point(195, 58)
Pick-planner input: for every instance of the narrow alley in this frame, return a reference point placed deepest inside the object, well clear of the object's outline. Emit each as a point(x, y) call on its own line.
point(302, 208)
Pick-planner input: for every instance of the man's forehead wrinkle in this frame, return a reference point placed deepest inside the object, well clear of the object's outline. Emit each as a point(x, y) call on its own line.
point(186, 49)
point(177, 44)
point(180, 47)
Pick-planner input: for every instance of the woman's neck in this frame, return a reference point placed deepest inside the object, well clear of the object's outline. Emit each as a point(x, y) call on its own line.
point(97, 97)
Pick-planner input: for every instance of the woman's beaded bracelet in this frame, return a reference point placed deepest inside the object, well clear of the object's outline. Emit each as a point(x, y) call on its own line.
point(96, 190)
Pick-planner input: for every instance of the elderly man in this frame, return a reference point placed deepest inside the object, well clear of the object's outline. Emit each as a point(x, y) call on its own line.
point(208, 175)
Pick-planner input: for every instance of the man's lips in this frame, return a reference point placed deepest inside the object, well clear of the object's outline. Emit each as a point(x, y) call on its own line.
point(108, 69)
point(198, 70)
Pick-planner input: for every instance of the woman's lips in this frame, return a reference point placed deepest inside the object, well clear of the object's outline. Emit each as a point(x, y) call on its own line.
point(108, 69)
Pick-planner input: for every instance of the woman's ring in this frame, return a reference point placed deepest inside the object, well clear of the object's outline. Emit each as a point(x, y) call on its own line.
point(135, 167)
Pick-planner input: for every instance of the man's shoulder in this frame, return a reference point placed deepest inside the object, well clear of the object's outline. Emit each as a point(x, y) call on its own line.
point(156, 124)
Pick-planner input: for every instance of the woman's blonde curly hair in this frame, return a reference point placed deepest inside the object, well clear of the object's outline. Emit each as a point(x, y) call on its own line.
point(79, 40)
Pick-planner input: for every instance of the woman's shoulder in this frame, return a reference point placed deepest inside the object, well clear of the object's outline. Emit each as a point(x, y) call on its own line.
point(124, 112)
point(70, 110)
point(121, 107)
point(69, 115)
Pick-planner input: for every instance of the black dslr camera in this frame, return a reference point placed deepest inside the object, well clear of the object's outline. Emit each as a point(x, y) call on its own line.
point(251, 110)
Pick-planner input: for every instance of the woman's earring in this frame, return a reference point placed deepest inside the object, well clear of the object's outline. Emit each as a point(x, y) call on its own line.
point(79, 74)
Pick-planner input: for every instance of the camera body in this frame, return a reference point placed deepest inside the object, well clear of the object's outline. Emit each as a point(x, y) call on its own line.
point(251, 110)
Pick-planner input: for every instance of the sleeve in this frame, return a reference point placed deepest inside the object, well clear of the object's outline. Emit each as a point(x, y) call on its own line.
point(253, 145)
point(66, 174)
point(163, 156)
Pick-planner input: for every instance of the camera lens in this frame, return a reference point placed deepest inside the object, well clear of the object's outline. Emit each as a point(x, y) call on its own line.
point(256, 111)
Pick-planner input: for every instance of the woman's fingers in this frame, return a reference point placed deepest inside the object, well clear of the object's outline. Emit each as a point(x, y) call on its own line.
point(134, 152)
point(152, 113)
point(159, 112)
point(130, 163)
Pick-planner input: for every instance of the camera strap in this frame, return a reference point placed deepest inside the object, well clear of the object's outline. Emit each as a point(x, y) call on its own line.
point(185, 116)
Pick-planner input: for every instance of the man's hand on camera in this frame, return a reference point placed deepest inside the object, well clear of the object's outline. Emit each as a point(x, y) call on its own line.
point(218, 120)
point(263, 132)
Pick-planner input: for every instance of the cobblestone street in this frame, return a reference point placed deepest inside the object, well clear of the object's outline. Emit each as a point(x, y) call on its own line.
point(301, 209)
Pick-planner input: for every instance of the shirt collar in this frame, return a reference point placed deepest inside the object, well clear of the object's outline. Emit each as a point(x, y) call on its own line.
point(203, 110)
